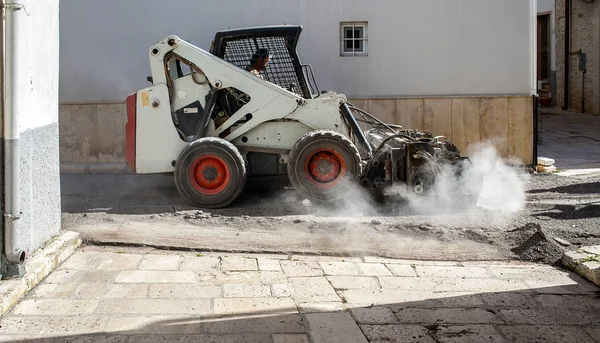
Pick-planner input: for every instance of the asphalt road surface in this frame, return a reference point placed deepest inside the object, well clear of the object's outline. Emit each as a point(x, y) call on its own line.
point(519, 216)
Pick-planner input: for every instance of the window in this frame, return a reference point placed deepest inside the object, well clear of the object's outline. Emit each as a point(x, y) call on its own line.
point(353, 38)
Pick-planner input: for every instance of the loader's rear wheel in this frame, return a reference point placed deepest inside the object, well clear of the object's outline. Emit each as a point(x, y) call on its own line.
point(324, 165)
point(210, 173)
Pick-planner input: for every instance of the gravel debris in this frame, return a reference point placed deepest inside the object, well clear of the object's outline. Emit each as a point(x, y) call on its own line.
point(559, 213)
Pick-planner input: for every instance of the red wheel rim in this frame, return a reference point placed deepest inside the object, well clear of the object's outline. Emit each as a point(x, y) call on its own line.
point(209, 174)
point(325, 168)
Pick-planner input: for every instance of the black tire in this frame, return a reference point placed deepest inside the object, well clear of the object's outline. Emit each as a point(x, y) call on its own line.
point(210, 173)
point(342, 177)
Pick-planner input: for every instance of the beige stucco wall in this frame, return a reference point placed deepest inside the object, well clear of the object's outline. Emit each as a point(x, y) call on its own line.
point(585, 36)
point(92, 136)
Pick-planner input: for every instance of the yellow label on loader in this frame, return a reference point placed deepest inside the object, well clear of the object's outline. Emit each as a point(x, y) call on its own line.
point(145, 99)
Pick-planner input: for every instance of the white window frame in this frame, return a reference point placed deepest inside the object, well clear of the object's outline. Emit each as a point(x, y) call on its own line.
point(354, 24)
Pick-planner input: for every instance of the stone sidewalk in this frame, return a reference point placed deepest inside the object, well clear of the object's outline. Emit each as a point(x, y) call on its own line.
point(114, 294)
point(572, 139)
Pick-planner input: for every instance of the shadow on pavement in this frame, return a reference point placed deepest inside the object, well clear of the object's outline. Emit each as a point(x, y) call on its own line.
point(568, 212)
point(561, 314)
point(580, 188)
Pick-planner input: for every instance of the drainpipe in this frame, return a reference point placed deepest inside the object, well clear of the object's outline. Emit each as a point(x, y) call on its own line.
point(567, 51)
point(12, 199)
point(534, 90)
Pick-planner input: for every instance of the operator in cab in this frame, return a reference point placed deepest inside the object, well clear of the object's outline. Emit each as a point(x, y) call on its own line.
point(259, 62)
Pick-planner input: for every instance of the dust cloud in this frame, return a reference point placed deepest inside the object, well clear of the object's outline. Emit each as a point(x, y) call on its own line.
point(406, 224)
point(498, 182)
point(441, 215)
point(503, 180)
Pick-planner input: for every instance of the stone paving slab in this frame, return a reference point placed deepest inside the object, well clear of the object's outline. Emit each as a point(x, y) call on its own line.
point(339, 268)
point(337, 327)
point(183, 291)
point(546, 334)
point(397, 333)
point(468, 333)
point(160, 262)
point(112, 294)
point(267, 264)
point(594, 333)
point(37, 267)
point(235, 306)
point(235, 263)
point(154, 325)
point(301, 268)
point(96, 290)
point(240, 290)
point(121, 262)
point(312, 289)
point(594, 250)
point(585, 261)
point(277, 338)
point(350, 282)
point(374, 269)
point(374, 315)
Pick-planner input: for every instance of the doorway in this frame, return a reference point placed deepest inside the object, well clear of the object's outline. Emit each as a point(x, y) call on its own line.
point(543, 59)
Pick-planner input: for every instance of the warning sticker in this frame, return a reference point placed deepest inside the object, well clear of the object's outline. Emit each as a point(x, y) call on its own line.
point(190, 110)
point(145, 99)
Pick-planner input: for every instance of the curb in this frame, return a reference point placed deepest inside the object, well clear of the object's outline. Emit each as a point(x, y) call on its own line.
point(585, 261)
point(37, 267)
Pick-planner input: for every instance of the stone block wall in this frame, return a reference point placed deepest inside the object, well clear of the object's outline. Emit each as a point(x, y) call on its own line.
point(585, 37)
point(92, 136)
point(505, 121)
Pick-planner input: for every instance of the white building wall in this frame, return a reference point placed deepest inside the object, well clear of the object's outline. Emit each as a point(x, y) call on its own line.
point(36, 106)
point(416, 48)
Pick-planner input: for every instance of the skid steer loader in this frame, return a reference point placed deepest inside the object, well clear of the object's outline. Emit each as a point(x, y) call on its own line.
point(215, 122)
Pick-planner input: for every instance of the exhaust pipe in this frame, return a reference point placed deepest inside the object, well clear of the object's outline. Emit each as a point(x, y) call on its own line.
point(12, 197)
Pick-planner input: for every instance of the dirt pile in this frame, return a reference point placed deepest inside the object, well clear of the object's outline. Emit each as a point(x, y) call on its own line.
point(535, 245)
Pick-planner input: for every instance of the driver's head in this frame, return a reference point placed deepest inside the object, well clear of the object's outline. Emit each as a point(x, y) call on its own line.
point(260, 59)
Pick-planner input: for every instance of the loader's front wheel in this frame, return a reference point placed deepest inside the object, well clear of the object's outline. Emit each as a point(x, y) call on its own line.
point(324, 165)
point(210, 173)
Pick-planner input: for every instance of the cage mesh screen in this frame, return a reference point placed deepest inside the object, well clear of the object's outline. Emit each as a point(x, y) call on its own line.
point(281, 70)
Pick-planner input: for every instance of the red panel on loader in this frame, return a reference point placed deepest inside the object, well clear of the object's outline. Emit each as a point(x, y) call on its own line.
point(130, 132)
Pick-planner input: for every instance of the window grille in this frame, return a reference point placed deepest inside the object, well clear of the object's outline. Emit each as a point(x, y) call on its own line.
point(353, 38)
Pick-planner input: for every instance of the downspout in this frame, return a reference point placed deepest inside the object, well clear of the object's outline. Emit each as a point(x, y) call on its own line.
point(12, 196)
point(567, 51)
point(534, 90)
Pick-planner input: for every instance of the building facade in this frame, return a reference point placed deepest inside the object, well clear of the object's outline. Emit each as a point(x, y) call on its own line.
point(461, 68)
point(30, 132)
point(578, 55)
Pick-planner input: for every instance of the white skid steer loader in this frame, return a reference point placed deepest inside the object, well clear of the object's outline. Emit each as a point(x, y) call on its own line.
point(249, 109)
